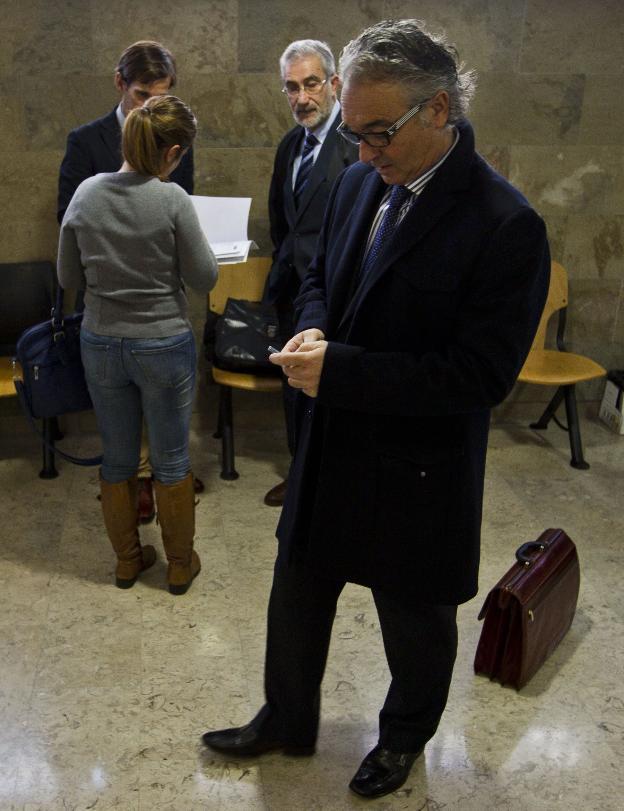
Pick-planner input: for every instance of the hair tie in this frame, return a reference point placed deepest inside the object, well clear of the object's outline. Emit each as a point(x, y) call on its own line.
point(147, 110)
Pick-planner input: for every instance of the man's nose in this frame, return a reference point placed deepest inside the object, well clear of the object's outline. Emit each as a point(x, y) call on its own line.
point(367, 153)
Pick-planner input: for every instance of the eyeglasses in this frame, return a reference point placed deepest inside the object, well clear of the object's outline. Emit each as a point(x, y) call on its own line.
point(311, 87)
point(379, 139)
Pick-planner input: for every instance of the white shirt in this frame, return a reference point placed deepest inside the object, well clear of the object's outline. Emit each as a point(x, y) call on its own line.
point(321, 134)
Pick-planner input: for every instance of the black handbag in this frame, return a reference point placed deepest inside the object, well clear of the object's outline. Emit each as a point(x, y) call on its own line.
point(53, 381)
point(243, 335)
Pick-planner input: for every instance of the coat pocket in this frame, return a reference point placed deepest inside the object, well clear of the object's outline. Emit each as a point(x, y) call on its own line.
point(412, 499)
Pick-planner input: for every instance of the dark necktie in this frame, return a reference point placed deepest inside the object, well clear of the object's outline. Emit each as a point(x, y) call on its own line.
point(398, 196)
point(305, 167)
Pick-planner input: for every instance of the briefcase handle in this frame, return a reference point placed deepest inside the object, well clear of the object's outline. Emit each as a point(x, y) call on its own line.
point(521, 553)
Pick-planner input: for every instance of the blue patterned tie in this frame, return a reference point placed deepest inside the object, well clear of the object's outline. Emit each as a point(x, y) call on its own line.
point(398, 196)
point(305, 167)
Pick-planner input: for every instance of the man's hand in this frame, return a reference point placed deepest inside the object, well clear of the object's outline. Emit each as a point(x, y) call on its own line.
point(305, 337)
point(302, 360)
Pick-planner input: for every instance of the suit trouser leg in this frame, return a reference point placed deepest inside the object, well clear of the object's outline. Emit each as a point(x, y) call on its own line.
point(302, 608)
point(421, 645)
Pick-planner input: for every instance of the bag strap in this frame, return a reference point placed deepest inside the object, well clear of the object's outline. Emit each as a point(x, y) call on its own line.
point(57, 311)
point(76, 460)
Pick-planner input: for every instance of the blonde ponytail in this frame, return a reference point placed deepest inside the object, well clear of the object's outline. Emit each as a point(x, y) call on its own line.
point(162, 122)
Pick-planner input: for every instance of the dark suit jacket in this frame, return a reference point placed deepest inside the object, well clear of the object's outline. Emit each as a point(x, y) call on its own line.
point(96, 147)
point(386, 487)
point(294, 232)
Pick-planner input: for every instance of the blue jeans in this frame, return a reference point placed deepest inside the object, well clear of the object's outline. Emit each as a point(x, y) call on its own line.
point(131, 379)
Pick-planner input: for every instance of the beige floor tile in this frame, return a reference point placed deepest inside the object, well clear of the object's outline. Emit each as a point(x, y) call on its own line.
point(104, 693)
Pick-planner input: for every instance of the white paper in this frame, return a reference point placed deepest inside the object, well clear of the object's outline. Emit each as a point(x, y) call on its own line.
point(224, 221)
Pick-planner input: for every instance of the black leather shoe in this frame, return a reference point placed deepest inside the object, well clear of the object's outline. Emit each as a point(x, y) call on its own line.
point(382, 771)
point(253, 739)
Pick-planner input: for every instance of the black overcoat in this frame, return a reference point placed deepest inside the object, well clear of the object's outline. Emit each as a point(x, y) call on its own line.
point(386, 487)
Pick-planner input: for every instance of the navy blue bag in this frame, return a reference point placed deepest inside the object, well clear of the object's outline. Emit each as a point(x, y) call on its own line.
point(53, 381)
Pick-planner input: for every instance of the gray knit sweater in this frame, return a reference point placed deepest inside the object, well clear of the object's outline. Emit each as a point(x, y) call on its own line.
point(133, 242)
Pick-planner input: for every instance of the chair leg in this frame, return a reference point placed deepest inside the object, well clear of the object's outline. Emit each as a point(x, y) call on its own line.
point(218, 434)
point(549, 411)
point(228, 470)
point(574, 430)
point(48, 471)
point(57, 434)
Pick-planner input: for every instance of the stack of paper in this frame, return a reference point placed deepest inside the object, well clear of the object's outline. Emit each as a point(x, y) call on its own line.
point(224, 221)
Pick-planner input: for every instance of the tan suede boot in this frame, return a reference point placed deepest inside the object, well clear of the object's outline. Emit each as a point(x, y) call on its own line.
point(119, 507)
point(176, 514)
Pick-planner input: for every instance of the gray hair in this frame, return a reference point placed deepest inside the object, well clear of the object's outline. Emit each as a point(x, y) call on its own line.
point(403, 51)
point(302, 48)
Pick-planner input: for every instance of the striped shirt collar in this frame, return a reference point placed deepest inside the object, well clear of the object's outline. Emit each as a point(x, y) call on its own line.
point(416, 186)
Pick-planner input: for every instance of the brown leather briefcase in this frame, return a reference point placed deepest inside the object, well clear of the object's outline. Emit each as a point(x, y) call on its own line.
point(529, 610)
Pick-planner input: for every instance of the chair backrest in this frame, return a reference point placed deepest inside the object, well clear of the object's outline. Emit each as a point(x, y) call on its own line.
point(27, 291)
point(244, 280)
point(557, 300)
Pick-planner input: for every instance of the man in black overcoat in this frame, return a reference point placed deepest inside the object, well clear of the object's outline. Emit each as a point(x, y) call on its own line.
point(420, 307)
point(302, 179)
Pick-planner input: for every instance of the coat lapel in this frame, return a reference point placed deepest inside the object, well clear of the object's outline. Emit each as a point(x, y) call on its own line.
point(289, 197)
point(366, 204)
point(436, 200)
point(110, 134)
point(320, 168)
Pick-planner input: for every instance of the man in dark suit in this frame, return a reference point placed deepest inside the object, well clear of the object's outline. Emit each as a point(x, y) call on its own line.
point(145, 69)
point(416, 316)
point(309, 158)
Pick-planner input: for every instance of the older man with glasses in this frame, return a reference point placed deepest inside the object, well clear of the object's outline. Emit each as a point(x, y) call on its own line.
point(308, 160)
point(415, 318)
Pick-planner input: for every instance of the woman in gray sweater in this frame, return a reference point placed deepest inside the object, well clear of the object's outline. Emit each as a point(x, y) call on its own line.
point(133, 242)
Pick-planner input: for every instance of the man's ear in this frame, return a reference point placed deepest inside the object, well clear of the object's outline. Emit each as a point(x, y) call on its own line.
point(439, 106)
point(119, 82)
point(335, 83)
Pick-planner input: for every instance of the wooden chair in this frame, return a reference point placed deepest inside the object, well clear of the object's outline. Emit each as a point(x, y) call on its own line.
point(27, 292)
point(557, 367)
point(244, 281)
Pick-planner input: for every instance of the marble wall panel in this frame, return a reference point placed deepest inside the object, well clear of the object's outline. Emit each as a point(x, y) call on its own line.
point(244, 110)
point(235, 172)
point(573, 36)
point(12, 128)
point(53, 107)
point(28, 203)
point(265, 29)
point(602, 115)
point(557, 226)
point(510, 108)
point(202, 34)
point(574, 179)
point(593, 313)
point(594, 246)
point(487, 33)
point(36, 34)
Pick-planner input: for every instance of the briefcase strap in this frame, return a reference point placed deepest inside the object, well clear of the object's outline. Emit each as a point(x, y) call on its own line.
point(76, 460)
